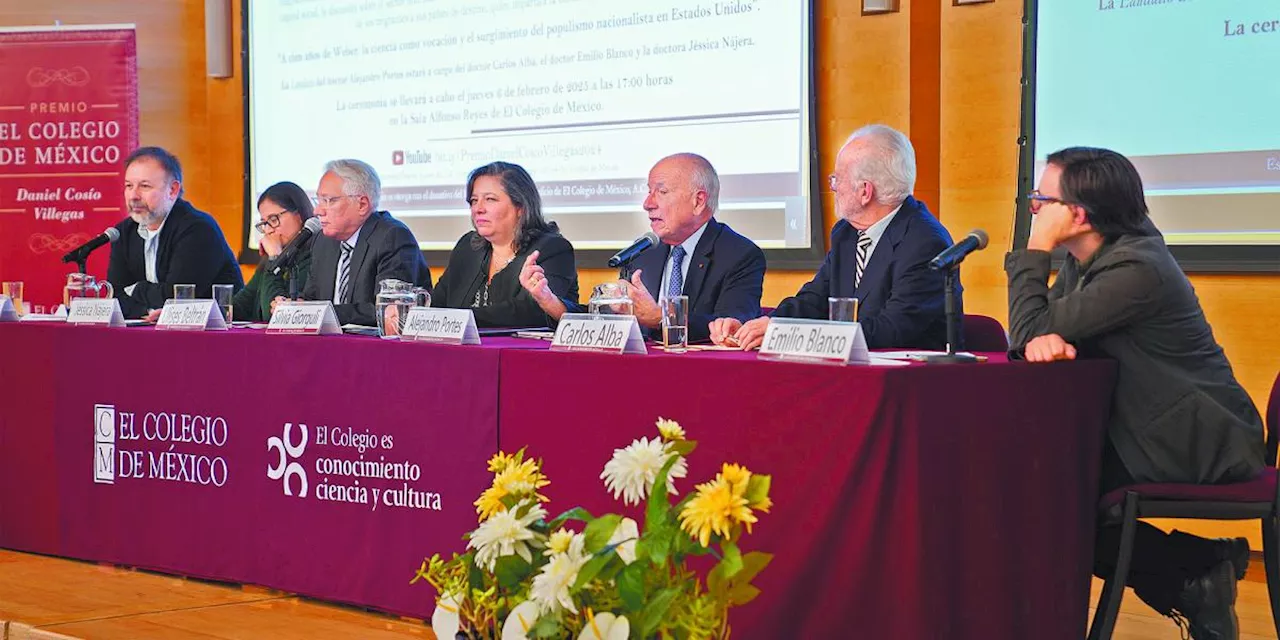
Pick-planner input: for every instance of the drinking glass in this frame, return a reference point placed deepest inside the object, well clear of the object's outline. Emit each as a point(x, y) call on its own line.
point(184, 292)
point(843, 309)
point(675, 323)
point(610, 298)
point(14, 291)
point(222, 294)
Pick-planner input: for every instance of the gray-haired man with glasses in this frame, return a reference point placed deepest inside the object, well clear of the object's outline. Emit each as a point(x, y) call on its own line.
point(360, 245)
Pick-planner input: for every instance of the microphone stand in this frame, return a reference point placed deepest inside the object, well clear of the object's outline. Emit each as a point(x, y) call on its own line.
point(953, 327)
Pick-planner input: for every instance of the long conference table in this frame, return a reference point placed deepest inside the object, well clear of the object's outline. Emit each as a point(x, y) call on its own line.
point(909, 502)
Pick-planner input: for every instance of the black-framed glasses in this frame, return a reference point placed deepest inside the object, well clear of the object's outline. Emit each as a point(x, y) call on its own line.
point(1036, 200)
point(270, 222)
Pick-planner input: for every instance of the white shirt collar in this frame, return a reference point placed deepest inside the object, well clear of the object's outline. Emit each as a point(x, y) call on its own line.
point(147, 234)
point(352, 240)
point(876, 230)
point(691, 242)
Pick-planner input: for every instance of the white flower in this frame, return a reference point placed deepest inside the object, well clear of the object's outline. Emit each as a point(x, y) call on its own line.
point(444, 621)
point(627, 533)
point(551, 587)
point(505, 534)
point(606, 626)
point(632, 471)
point(520, 621)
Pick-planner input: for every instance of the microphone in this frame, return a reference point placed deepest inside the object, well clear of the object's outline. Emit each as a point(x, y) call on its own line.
point(627, 255)
point(955, 254)
point(290, 252)
point(81, 253)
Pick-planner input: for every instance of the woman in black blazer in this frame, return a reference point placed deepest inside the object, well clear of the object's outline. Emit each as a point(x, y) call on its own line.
point(510, 237)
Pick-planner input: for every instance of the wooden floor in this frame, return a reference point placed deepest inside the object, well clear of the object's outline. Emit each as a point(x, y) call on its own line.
point(44, 598)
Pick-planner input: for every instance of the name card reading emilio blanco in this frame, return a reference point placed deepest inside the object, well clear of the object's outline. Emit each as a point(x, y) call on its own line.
point(603, 333)
point(815, 341)
point(315, 318)
point(445, 326)
point(190, 315)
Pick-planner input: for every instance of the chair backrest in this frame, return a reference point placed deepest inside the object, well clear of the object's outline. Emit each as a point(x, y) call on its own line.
point(764, 311)
point(984, 333)
point(1273, 421)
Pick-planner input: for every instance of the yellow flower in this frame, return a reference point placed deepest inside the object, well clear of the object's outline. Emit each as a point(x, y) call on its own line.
point(737, 476)
point(500, 461)
point(670, 430)
point(490, 502)
point(715, 508)
point(559, 541)
point(514, 478)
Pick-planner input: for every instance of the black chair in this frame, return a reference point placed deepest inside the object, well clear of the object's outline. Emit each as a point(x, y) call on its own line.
point(1256, 499)
point(984, 333)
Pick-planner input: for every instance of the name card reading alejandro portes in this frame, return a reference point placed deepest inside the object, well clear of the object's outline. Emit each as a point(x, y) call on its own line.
point(190, 315)
point(446, 326)
point(815, 341)
point(314, 318)
point(103, 311)
point(604, 333)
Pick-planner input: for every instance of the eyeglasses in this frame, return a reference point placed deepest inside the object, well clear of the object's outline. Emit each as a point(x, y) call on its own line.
point(326, 202)
point(271, 221)
point(1036, 200)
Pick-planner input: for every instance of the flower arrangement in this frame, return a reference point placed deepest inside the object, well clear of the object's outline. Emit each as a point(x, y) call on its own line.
point(603, 577)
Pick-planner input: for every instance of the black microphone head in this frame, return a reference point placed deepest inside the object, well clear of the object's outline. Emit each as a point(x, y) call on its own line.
point(981, 237)
point(112, 234)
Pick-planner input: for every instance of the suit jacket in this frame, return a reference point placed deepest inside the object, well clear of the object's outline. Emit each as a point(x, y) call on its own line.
point(725, 278)
point(192, 250)
point(385, 249)
point(901, 302)
point(509, 304)
point(1177, 414)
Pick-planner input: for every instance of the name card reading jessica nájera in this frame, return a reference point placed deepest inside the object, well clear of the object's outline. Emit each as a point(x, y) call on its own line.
point(447, 326)
point(605, 333)
point(190, 315)
point(314, 318)
point(815, 341)
point(103, 311)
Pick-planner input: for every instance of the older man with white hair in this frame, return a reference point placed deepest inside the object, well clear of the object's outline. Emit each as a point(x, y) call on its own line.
point(360, 245)
point(880, 250)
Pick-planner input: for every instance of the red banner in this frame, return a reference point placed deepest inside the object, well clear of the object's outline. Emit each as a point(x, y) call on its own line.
point(68, 118)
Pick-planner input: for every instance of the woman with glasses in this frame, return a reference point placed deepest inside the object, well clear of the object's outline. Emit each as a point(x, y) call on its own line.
point(510, 236)
point(283, 208)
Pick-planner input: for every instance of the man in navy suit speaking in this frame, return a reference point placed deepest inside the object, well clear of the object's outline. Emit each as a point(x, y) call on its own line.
point(721, 271)
point(880, 250)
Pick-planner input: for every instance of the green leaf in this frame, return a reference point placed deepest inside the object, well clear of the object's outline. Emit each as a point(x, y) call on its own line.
point(656, 610)
point(658, 509)
point(631, 586)
point(741, 594)
point(599, 531)
point(576, 513)
point(511, 571)
point(658, 543)
point(591, 569)
point(716, 582)
point(732, 561)
point(475, 578)
point(752, 564)
point(758, 488)
point(509, 501)
point(547, 626)
point(684, 447)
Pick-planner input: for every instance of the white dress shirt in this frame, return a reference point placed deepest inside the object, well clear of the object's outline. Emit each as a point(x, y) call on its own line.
point(150, 251)
point(876, 231)
point(689, 245)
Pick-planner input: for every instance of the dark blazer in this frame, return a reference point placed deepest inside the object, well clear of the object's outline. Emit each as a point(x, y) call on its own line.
point(385, 249)
point(509, 304)
point(1177, 414)
point(901, 302)
point(253, 302)
point(725, 278)
point(192, 251)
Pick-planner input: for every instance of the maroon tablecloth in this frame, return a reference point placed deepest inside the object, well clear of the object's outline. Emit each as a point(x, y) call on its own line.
point(426, 405)
point(909, 502)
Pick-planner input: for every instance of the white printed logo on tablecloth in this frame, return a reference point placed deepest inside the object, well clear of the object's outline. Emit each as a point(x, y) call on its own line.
point(346, 465)
point(158, 446)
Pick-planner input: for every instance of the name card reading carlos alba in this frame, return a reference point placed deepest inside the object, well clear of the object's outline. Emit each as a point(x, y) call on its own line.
point(605, 333)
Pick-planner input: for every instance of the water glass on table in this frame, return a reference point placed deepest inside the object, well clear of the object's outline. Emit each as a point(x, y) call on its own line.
point(675, 323)
point(14, 291)
point(184, 292)
point(843, 309)
point(222, 294)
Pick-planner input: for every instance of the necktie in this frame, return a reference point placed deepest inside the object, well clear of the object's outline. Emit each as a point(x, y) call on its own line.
point(344, 272)
point(675, 285)
point(864, 252)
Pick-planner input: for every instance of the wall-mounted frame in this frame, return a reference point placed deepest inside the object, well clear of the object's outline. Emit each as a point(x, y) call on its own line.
point(956, 3)
point(874, 7)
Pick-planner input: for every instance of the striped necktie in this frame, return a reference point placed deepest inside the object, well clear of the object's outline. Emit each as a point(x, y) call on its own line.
point(675, 284)
point(344, 273)
point(864, 252)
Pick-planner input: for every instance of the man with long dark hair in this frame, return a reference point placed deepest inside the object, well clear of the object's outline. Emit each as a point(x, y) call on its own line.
point(1178, 414)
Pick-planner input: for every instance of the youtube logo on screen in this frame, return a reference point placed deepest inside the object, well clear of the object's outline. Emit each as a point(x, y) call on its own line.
point(397, 157)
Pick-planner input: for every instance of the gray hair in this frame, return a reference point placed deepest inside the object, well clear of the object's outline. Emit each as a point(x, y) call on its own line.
point(703, 176)
point(889, 163)
point(358, 179)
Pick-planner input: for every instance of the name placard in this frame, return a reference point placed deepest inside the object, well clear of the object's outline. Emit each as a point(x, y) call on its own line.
point(305, 318)
point(445, 326)
point(99, 311)
point(603, 333)
point(815, 341)
point(8, 313)
point(191, 315)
